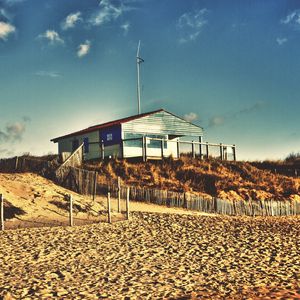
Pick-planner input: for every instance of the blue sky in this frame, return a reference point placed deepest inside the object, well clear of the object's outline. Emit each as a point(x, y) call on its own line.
point(230, 66)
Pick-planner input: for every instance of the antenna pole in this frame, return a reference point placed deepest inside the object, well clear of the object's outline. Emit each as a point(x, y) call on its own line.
point(139, 60)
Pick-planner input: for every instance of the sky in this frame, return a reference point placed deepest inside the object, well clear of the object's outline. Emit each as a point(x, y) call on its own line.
point(231, 67)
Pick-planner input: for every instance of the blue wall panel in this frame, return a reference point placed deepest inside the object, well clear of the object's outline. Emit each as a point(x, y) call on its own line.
point(111, 136)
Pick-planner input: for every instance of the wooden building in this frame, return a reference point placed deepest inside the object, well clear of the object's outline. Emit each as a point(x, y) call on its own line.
point(154, 134)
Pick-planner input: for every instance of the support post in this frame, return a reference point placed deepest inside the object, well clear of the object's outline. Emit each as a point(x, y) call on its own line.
point(162, 148)
point(127, 203)
point(122, 149)
point(144, 148)
point(119, 194)
point(102, 150)
point(221, 151)
point(234, 152)
point(95, 185)
point(178, 149)
point(1, 212)
point(200, 147)
point(71, 210)
point(193, 149)
point(108, 208)
point(207, 154)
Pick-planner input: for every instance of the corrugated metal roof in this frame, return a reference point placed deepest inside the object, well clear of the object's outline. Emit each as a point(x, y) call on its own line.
point(114, 123)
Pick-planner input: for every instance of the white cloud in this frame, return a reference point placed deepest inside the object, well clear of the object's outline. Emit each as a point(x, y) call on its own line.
point(51, 74)
point(52, 36)
point(281, 41)
point(125, 27)
point(293, 17)
point(5, 30)
point(216, 121)
point(83, 49)
point(190, 117)
point(108, 12)
point(71, 20)
point(190, 25)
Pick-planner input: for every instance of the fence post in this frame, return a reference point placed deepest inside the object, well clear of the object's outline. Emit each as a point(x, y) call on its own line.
point(16, 164)
point(144, 145)
point(95, 185)
point(71, 210)
point(221, 151)
point(162, 148)
point(178, 149)
point(127, 203)
point(193, 149)
point(108, 208)
point(119, 194)
point(1, 212)
point(207, 154)
point(234, 152)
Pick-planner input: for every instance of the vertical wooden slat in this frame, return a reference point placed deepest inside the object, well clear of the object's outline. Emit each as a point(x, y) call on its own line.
point(71, 210)
point(127, 203)
point(119, 194)
point(1, 212)
point(108, 208)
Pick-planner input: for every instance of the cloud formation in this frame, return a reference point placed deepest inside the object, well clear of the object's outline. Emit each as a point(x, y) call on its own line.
point(52, 36)
point(13, 132)
point(292, 19)
point(125, 27)
point(71, 20)
point(51, 74)
point(84, 49)
point(281, 41)
point(5, 30)
point(190, 25)
point(221, 119)
point(190, 117)
point(108, 11)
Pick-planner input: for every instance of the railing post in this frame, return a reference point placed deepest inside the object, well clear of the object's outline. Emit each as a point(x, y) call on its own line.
point(200, 147)
point(162, 148)
point(221, 151)
point(16, 164)
point(145, 148)
point(71, 210)
point(127, 203)
point(102, 150)
point(1, 212)
point(178, 149)
point(234, 152)
point(193, 149)
point(119, 194)
point(108, 208)
point(207, 154)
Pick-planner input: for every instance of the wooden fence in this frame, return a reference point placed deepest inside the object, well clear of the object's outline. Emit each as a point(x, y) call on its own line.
point(86, 182)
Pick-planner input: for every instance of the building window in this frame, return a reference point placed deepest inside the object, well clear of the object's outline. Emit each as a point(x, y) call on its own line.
point(86, 144)
point(75, 145)
point(109, 137)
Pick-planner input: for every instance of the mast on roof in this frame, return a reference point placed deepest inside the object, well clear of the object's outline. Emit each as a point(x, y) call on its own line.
point(139, 60)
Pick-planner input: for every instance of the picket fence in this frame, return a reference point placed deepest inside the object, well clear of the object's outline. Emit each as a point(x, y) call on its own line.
point(87, 182)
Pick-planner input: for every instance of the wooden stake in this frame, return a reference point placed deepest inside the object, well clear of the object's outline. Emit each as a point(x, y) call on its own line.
point(119, 194)
point(71, 210)
point(95, 185)
point(127, 203)
point(1, 212)
point(16, 165)
point(108, 208)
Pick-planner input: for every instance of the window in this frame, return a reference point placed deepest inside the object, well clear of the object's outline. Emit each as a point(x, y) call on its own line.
point(86, 144)
point(150, 143)
point(109, 137)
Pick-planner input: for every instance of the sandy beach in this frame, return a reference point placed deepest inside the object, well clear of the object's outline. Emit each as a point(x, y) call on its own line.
point(154, 256)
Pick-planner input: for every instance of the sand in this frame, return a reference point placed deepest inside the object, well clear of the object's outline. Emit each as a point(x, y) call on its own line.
point(160, 253)
point(153, 256)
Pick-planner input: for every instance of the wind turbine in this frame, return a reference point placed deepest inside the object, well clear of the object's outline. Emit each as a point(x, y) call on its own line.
point(139, 60)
